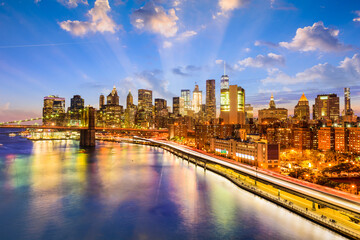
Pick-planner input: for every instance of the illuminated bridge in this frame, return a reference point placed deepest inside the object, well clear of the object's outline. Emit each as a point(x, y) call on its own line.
point(21, 121)
point(87, 134)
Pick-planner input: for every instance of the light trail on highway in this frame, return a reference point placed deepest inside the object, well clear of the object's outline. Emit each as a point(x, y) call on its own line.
point(335, 200)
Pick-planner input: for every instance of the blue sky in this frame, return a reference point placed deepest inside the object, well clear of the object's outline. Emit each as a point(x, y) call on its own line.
point(68, 47)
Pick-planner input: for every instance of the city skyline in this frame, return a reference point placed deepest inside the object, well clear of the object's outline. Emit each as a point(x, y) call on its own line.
point(123, 48)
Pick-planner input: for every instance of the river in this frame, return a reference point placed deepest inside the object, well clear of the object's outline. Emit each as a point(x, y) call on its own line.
point(53, 190)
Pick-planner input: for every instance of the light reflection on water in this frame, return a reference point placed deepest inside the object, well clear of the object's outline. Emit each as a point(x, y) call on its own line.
point(126, 191)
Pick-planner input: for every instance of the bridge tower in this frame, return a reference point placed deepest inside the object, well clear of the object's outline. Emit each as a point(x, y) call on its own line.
point(87, 136)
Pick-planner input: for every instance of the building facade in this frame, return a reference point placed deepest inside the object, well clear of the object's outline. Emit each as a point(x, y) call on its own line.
point(54, 111)
point(185, 94)
point(197, 99)
point(326, 107)
point(210, 99)
point(257, 153)
point(272, 113)
point(302, 109)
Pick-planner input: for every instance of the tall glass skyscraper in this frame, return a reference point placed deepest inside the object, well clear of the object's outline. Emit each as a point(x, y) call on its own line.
point(197, 99)
point(224, 84)
point(185, 94)
point(210, 99)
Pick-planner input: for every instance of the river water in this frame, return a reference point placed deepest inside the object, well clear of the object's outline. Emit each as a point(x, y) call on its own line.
point(53, 190)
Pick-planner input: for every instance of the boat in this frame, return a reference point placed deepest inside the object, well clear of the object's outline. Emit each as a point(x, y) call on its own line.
point(12, 134)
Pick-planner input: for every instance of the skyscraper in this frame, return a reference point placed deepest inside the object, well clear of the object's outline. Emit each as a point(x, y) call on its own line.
point(113, 98)
point(326, 107)
point(110, 114)
point(237, 105)
point(181, 106)
point(224, 97)
point(197, 99)
point(76, 103)
point(347, 109)
point(185, 94)
point(302, 109)
point(249, 113)
point(210, 99)
point(272, 113)
point(101, 101)
point(145, 99)
point(53, 110)
point(160, 104)
point(144, 115)
point(176, 106)
point(129, 100)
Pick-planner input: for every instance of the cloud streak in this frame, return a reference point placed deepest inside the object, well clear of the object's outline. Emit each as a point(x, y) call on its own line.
point(263, 61)
point(185, 71)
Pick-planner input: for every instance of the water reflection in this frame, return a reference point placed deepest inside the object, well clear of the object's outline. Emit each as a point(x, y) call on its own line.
point(124, 191)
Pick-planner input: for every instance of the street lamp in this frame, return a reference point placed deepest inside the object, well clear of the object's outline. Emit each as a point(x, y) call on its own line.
point(354, 186)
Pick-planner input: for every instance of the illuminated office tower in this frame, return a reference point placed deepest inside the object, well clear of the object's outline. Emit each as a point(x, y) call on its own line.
point(326, 107)
point(54, 110)
point(185, 94)
point(237, 105)
point(176, 106)
point(249, 113)
point(197, 99)
point(224, 104)
point(145, 100)
point(76, 103)
point(210, 99)
point(129, 100)
point(144, 117)
point(348, 110)
point(101, 101)
point(113, 97)
point(302, 109)
point(110, 114)
point(181, 106)
point(160, 104)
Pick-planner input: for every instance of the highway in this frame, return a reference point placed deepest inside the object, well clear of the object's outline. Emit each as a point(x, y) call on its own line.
point(339, 201)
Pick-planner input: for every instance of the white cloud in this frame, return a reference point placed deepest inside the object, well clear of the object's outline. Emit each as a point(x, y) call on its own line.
point(154, 19)
point(247, 50)
point(37, 1)
point(261, 61)
point(357, 19)
point(186, 35)
point(284, 89)
point(72, 3)
point(167, 44)
point(99, 21)
point(229, 5)
point(346, 73)
point(315, 37)
point(180, 38)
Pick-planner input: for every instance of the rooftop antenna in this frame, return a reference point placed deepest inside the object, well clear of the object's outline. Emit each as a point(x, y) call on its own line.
point(224, 67)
